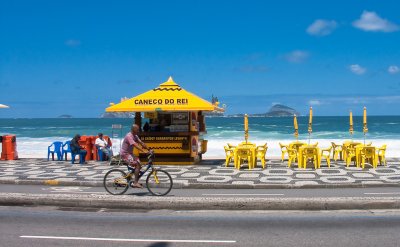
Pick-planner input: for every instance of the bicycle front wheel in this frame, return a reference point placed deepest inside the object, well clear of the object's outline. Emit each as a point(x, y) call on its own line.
point(116, 182)
point(159, 182)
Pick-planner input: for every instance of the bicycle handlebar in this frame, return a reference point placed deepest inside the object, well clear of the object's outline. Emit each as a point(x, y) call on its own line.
point(150, 154)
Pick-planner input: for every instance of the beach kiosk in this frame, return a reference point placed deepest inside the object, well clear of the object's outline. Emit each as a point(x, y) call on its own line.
point(173, 124)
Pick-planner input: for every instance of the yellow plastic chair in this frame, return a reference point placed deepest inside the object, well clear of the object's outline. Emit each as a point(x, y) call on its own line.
point(314, 145)
point(310, 153)
point(231, 146)
point(284, 150)
point(326, 153)
point(337, 151)
point(350, 154)
point(244, 154)
point(381, 153)
point(368, 153)
point(292, 153)
point(260, 153)
point(229, 155)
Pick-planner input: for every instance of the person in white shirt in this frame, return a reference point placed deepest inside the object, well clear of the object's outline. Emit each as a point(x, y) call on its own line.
point(103, 145)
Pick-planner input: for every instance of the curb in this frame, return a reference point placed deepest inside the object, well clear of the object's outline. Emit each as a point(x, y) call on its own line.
point(189, 203)
point(178, 185)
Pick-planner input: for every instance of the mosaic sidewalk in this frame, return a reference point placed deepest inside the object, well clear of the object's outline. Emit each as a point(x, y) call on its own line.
point(212, 172)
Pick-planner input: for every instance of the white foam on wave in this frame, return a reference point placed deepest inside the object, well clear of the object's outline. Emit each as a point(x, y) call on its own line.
point(37, 147)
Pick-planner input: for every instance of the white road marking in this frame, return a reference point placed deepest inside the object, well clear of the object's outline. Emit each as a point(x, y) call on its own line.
point(382, 193)
point(243, 194)
point(66, 188)
point(132, 240)
point(78, 192)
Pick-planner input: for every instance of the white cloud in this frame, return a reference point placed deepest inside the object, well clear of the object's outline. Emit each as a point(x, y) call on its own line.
point(393, 69)
point(296, 56)
point(370, 21)
point(321, 27)
point(357, 69)
point(72, 42)
point(314, 102)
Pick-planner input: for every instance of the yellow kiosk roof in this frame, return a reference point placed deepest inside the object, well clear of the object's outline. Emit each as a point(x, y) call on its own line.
point(169, 96)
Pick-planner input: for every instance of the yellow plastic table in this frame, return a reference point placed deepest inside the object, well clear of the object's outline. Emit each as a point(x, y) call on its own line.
point(302, 148)
point(296, 145)
point(346, 145)
point(245, 146)
point(359, 148)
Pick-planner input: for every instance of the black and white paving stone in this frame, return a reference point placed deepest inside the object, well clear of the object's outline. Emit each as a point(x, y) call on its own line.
point(211, 172)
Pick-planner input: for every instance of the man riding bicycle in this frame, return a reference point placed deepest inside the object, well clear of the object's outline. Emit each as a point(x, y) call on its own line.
point(130, 142)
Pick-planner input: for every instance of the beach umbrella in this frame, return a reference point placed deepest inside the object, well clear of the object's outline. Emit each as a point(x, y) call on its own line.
point(246, 127)
point(351, 129)
point(296, 127)
point(310, 126)
point(4, 106)
point(365, 128)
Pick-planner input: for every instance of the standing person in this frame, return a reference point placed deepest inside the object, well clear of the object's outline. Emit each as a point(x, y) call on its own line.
point(130, 142)
point(77, 149)
point(103, 145)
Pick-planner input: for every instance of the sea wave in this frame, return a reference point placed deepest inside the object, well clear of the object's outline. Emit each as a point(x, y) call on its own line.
point(37, 147)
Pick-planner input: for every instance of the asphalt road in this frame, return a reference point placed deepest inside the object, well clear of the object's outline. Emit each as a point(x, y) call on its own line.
point(44, 226)
point(279, 193)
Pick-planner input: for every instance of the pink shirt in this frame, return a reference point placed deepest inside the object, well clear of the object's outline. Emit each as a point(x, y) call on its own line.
point(127, 143)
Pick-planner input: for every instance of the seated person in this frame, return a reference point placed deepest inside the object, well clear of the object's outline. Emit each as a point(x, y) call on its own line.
point(103, 146)
point(77, 149)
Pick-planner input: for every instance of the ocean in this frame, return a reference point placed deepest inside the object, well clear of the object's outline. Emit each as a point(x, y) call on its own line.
point(34, 135)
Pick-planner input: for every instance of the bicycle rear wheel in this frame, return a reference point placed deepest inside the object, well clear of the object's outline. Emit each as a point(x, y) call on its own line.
point(159, 182)
point(116, 182)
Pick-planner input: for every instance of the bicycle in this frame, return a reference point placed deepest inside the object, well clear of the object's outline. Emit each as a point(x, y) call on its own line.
point(158, 182)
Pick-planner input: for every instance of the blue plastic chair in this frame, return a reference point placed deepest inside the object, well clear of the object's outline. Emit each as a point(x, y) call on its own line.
point(65, 151)
point(55, 147)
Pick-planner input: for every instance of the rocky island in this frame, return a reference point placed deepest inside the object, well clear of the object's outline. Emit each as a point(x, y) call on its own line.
point(279, 110)
point(65, 116)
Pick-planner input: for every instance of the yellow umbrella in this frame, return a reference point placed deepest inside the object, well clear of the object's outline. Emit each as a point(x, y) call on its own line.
point(296, 127)
point(168, 96)
point(310, 126)
point(365, 128)
point(351, 129)
point(310, 122)
point(246, 127)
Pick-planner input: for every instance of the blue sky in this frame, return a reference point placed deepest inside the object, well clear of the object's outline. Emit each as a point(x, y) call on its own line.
point(74, 57)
